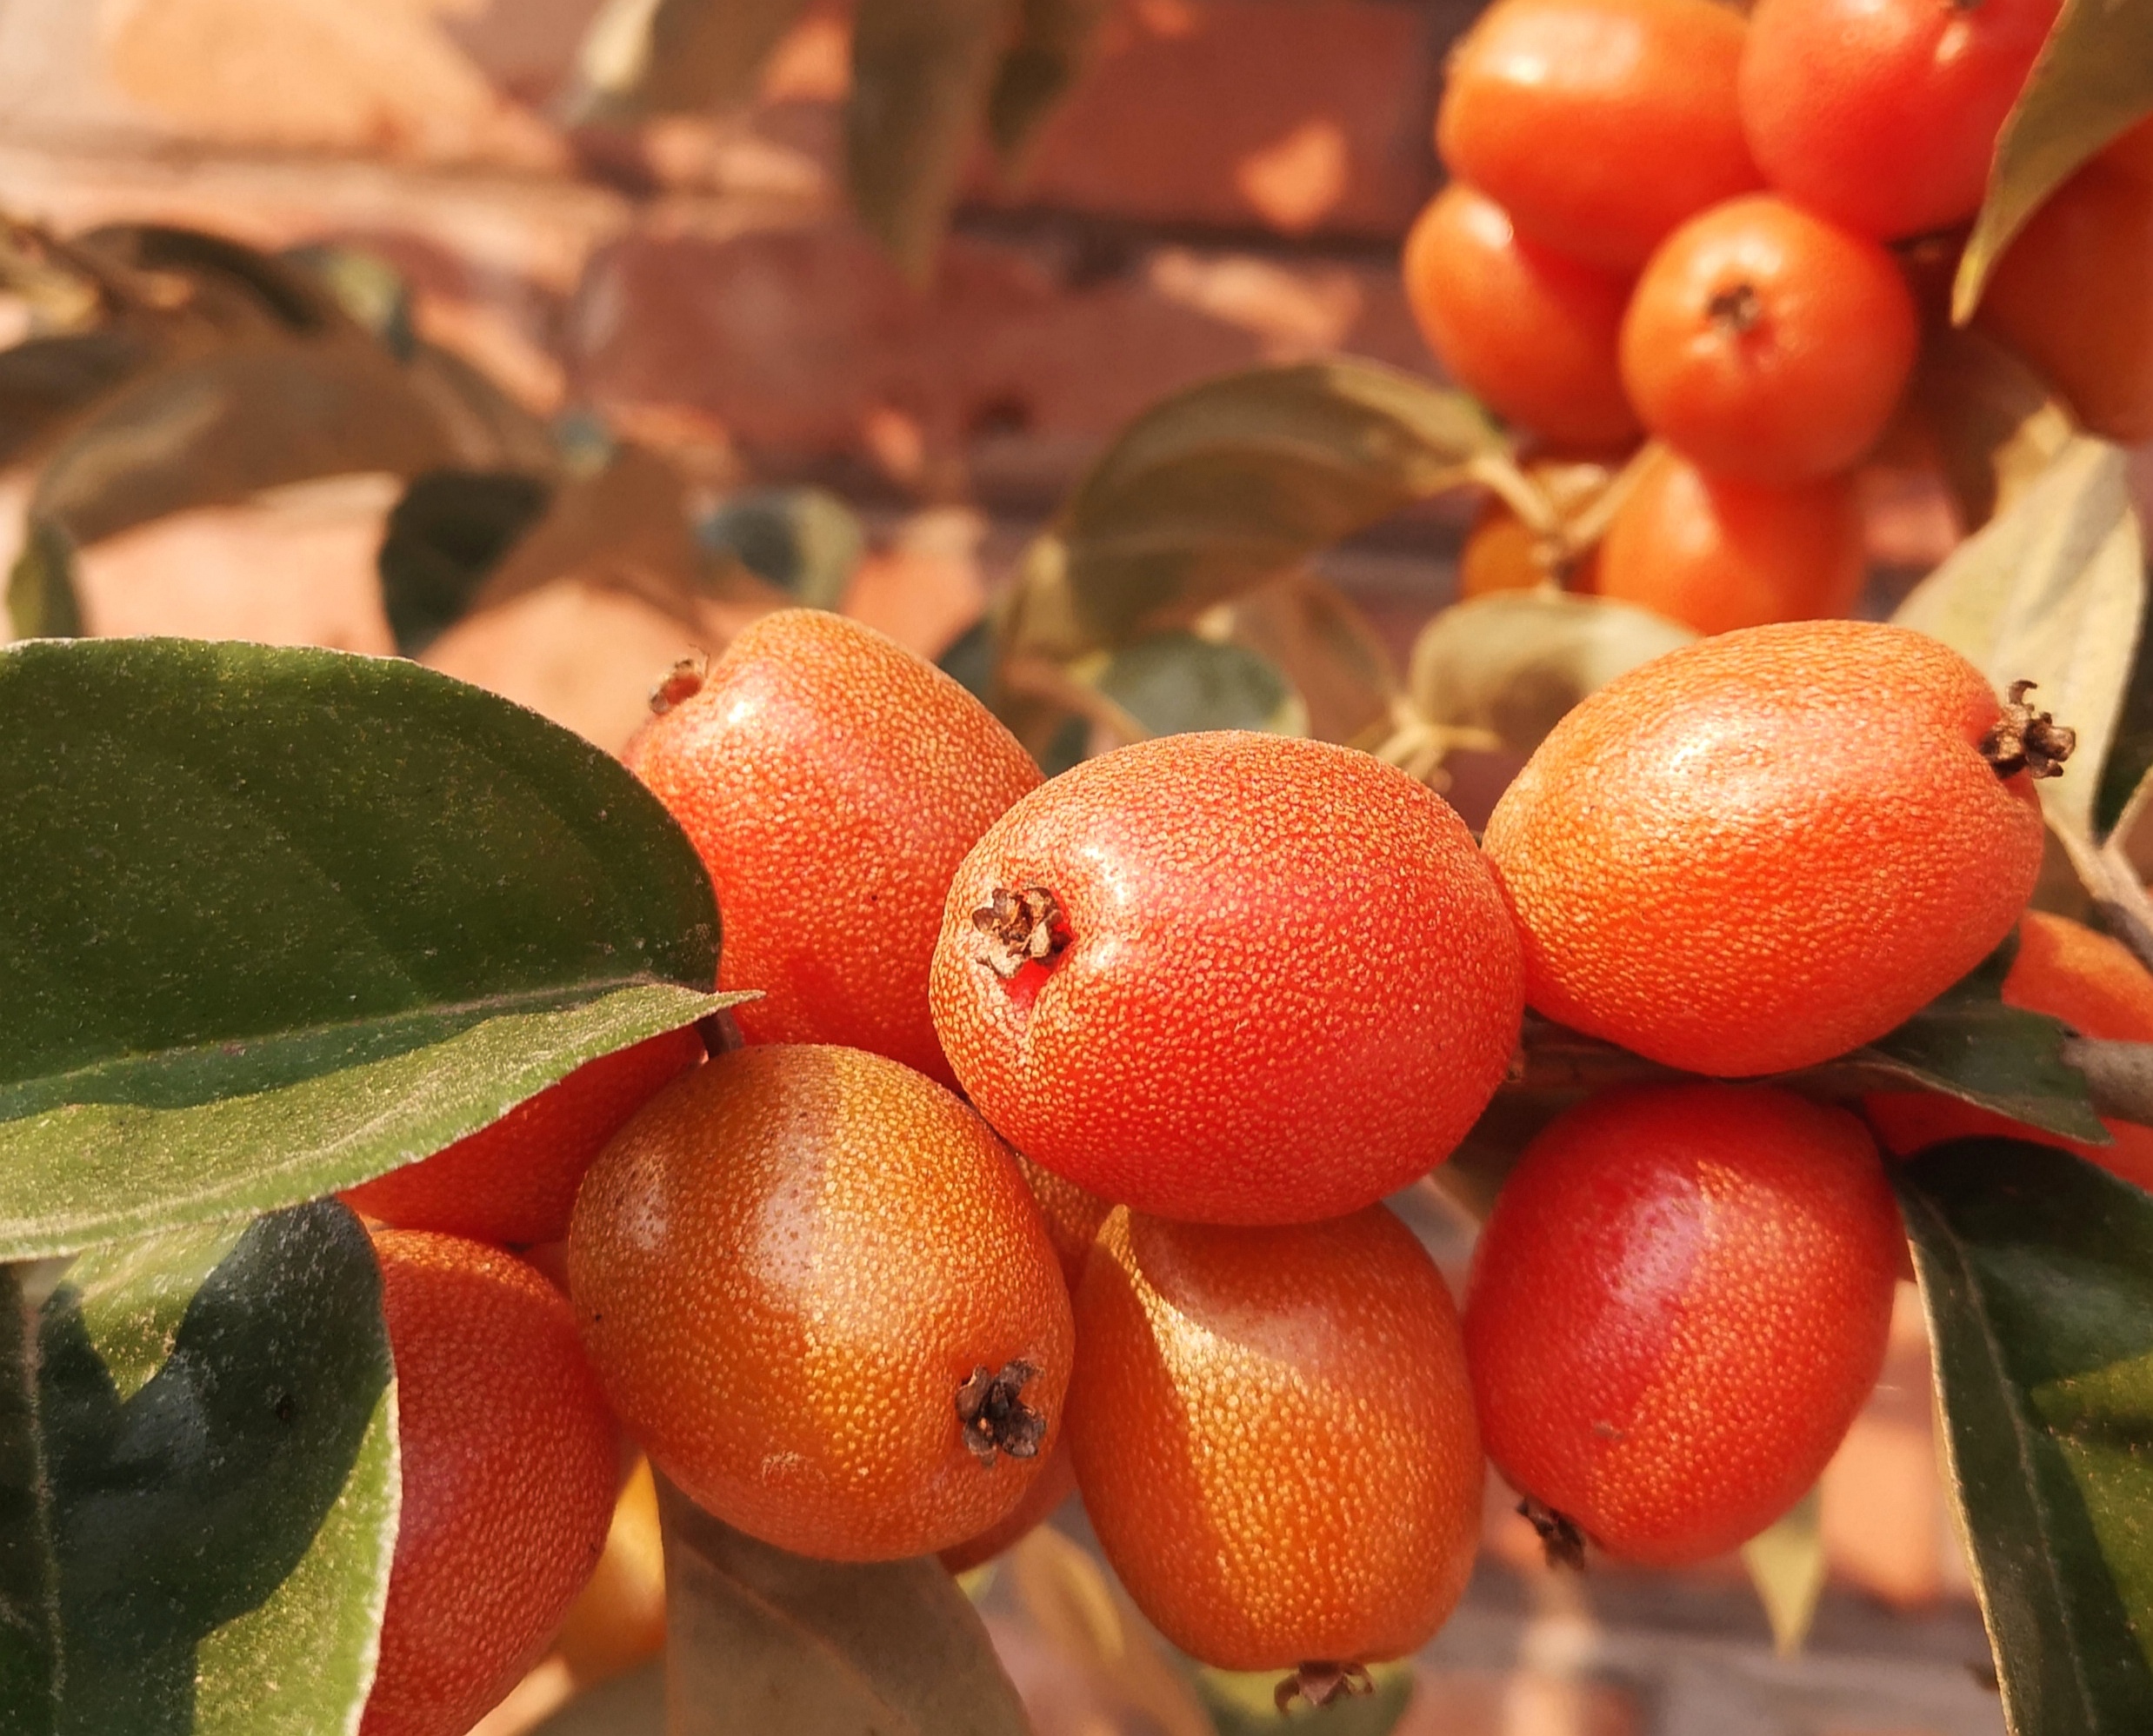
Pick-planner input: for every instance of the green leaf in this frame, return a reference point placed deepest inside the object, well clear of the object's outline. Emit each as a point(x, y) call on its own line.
point(1786, 1563)
point(806, 541)
point(41, 585)
point(1236, 481)
point(2051, 591)
point(921, 74)
point(2095, 78)
point(1054, 40)
point(1998, 1058)
point(1174, 682)
point(1242, 1705)
point(201, 1435)
point(644, 58)
point(1512, 663)
point(761, 1640)
point(280, 920)
point(2037, 1270)
point(451, 529)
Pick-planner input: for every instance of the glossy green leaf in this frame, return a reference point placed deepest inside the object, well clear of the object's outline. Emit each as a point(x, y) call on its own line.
point(2052, 591)
point(642, 57)
point(1174, 682)
point(279, 920)
point(1053, 39)
point(921, 73)
point(449, 532)
point(2037, 1270)
point(760, 1641)
point(1237, 481)
point(2095, 77)
point(198, 1431)
point(1996, 1057)
point(1785, 1562)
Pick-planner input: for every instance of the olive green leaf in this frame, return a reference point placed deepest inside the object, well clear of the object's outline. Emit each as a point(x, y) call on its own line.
point(2051, 591)
point(451, 530)
point(1785, 1562)
point(1236, 481)
point(922, 70)
point(642, 57)
point(2095, 78)
point(1174, 682)
point(41, 584)
point(2036, 1270)
point(759, 1639)
point(805, 541)
point(1053, 39)
point(279, 920)
point(198, 1465)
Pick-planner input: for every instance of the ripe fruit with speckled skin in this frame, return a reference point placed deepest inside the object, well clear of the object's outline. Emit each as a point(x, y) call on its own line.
point(1528, 332)
point(1882, 114)
point(831, 781)
point(1676, 1309)
point(1764, 849)
point(1273, 1436)
point(2094, 984)
point(1598, 124)
point(508, 1462)
point(516, 1181)
point(1272, 979)
point(1053, 1486)
point(1072, 1215)
point(787, 1267)
point(1717, 554)
point(1765, 344)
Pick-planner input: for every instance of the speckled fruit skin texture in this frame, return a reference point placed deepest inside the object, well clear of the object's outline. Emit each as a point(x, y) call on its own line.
point(2091, 982)
point(508, 1463)
point(1764, 849)
point(1676, 1307)
point(515, 1181)
point(1274, 1435)
point(786, 1267)
point(831, 781)
point(1289, 989)
point(1055, 1484)
point(1072, 1216)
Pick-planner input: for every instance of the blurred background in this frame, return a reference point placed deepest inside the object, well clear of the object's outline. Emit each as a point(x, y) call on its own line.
point(550, 348)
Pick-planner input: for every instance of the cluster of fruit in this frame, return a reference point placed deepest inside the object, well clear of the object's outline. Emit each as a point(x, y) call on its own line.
point(1223, 992)
point(1673, 220)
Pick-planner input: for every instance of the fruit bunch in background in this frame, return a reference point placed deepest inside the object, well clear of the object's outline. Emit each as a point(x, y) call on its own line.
point(1670, 222)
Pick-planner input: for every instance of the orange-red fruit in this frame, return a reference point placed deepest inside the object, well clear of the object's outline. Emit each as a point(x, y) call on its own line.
point(2091, 982)
point(1882, 114)
point(1676, 1307)
point(515, 1181)
point(1762, 849)
point(1766, 344)
point(831, 781)
point(1528, 332)
point(2074, 296)
point(1053, 1486)
point(1278, 979)
point(1598, 124)
point(785, 1269)
point(1072, 1215)
point(508, 1462)
point(1273, 1436)
point(1717, 554)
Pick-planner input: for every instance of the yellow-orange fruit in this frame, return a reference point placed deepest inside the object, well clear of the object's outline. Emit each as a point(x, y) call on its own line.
point(801, 1271)
point(1072, 1215)
point(1762, 849)
point(515, 1181)
point(2094, 984)
point(1053, 1486)
point(1717, 554)
point(508, 1462)
point(618, 1619)
point(1274, 1435)
point(831, 781)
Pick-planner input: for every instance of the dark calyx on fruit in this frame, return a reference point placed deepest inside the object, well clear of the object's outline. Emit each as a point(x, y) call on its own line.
point(995, 1418)
point(1560, 1538)
point(1321, 1683)
point(1021, 927)
point(2027, 740)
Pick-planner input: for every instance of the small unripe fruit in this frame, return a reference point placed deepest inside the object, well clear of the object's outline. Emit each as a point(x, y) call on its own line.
point(1764, 849)
point(1676, 1307)
point(1274, 1438)
point(831, 782)
point(820, 1298)
point(1229, 977)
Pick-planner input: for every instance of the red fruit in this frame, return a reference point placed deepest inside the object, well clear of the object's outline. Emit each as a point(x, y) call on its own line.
point(1676, 1307)
point(1882, 114)
point(1055, 1484)
point(1274, 1435)
point(1764, 343)
point(1528, 332)
point(516, 1180)
point(2093, 984)
point(1250, 978)
point(1716, 554)
point(508, 1466)
point(832, 782)
point(1598, 124)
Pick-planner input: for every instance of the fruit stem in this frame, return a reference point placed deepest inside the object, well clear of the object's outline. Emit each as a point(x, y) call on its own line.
point(995, 1418)
point(1018, 927)
point(2027, 740)
point(1737, 309)
point(1560, 1538)
point(1322, 1682)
